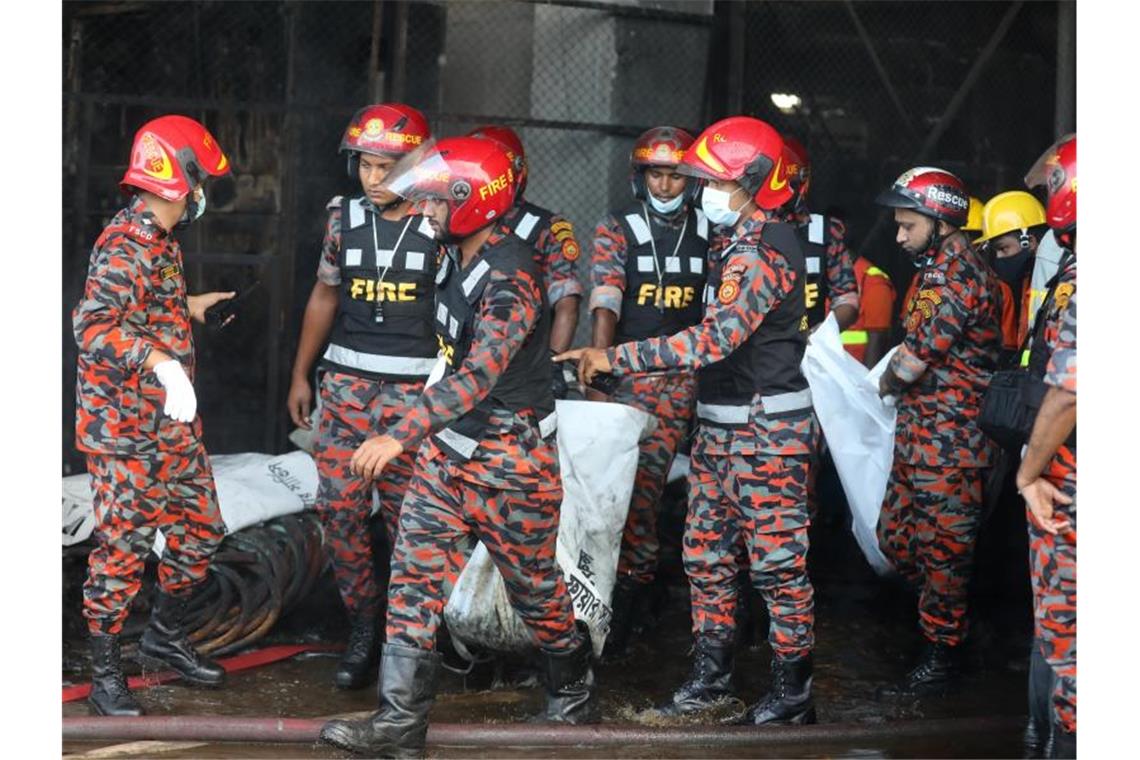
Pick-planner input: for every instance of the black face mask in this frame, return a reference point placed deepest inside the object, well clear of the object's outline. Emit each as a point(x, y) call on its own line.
point(1012, 268)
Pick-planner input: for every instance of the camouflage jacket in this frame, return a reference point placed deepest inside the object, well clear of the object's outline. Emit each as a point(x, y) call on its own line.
point(555, 250)
point(134, 301)
point(952, 343)
point(842, 288)
point(1060, 335)
point(760, 279)
point(515, 456)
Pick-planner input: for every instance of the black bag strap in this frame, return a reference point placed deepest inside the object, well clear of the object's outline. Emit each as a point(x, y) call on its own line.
point(1038, 321)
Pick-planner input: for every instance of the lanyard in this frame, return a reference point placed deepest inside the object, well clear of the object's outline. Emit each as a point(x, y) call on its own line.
point(378, 308)
point(660, 299)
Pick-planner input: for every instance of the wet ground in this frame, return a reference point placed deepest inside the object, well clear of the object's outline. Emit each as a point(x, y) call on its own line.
point(865, 632)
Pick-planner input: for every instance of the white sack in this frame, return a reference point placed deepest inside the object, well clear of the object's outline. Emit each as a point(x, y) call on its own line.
point(860, 430)
point(252, 488)
point(597, 453)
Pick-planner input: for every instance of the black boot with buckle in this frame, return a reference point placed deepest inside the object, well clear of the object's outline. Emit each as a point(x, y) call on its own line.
point(710, 681)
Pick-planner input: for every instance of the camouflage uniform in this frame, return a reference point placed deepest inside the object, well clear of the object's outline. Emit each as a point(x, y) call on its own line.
point(148, 471)
point(1053, 559)
point(555, 247)
point(748, 482)
point(355, 407)
point(506, 489)
point(668, 396)
point(933, 506)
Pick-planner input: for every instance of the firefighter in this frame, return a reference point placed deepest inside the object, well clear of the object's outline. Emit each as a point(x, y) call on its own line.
point(868, 337)
point(373, 303)
point(647, 278)
point(756, 429)
point(136, 412)
point(830, 285)
point(487, 469)
point(1047, 477)
point(933, 507)
point(1012, 224)
point(556, 251)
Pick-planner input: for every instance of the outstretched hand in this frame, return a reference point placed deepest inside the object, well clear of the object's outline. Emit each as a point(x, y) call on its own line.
point(591, 361)
point(199, 303)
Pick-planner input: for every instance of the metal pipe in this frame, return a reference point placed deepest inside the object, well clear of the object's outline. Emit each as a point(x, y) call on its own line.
point(1065, 116)
point(881, 70)
point(306, 730)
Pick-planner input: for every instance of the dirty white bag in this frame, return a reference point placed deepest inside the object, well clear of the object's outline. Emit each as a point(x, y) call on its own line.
point(860, 430)
point(597, 453)
point(251, 488)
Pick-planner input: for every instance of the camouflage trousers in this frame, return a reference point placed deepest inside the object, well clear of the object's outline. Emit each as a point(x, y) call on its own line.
point(670, 398)
point(442, 518)
point(1053, 573)
point(352, 410)
point(756, 505)
point(927, 529)
point(133, 499)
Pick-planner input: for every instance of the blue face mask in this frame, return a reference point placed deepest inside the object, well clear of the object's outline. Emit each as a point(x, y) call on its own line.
point(715, 204)
point(666, 207)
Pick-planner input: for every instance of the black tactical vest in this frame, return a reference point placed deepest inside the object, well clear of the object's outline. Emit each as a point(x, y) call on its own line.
point(814, 239)
point(664, 274)
point(768, 363)
point(383, 327)
point(1039, 351)
point(525, 383)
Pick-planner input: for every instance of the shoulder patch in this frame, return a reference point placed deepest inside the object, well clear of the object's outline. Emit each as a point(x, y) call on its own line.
point(570, 250)
point(728, 291)
point(336, 202)
point(1062, 294)
point(733, 272)
point(169, 271)
point(562, 230)
point(930, 295)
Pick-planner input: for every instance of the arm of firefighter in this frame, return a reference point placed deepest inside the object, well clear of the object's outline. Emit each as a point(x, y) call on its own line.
point(753, 282)
point(607, 271)
point(116, 282)
point(843, 290)
point(1058, 414)
point(509, 311)
point(936, 324)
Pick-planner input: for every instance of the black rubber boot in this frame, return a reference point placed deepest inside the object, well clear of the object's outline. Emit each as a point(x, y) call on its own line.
point(789, 701)
point(357, 667)
point(164, 643)
point(1037, 729)
point(626, 593)
point(408, 679)
point(109, 692)
point(935, 673)
point(569, 682)
point(710, 682)
point(1064, 744)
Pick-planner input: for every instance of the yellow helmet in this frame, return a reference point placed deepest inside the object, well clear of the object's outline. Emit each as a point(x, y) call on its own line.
point(1012, 211)
point(973, 216)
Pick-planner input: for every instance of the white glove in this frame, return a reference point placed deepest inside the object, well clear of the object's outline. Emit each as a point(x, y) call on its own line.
point(181, 403)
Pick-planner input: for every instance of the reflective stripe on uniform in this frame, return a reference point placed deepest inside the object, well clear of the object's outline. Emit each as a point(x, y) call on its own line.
point(739, 414)
point(1025, 358)
point(853, 337)
point(874, 270)
point(465, 446)
point(379, 363)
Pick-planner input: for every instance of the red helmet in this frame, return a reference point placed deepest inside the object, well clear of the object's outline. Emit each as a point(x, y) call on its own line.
point(473, 175)
point(743, 149)
point(171, 155)
point(659, 146)
point(387, 129)
point(1057, 171)
point(797, 168)
point(510, 140)
point(932, 192)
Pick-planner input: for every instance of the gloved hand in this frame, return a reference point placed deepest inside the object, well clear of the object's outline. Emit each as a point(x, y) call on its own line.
point(181, 403)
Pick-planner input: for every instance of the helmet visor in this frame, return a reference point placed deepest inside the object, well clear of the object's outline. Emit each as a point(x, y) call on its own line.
point(421, 175)
point(1047, 169)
